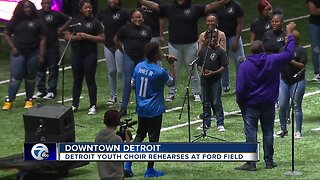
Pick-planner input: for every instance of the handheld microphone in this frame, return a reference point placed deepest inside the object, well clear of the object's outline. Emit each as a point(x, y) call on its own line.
point(194, 61)
point(75, 25)
point(300, 72)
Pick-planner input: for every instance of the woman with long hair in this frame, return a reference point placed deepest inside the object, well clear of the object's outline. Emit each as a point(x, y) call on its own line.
point(25, 36)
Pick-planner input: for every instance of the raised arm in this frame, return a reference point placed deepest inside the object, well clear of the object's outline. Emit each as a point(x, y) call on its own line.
point(151, 5)
point(214, 5)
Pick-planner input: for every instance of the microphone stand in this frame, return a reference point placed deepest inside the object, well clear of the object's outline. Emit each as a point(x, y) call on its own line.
point(203, 133)
point(61, 63)
point(187, 96)
point(293, 172)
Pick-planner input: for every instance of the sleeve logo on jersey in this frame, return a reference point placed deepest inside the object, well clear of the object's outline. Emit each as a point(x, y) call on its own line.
point(145, 9)
point(116, 16)
point(49, 18)
point(187, 11)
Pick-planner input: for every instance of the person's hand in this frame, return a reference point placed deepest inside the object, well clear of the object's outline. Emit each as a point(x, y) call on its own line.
point(235, 46)
point(208, 73)
point(83, 35)
point(14, 51)
point(290, 27)
point(171, 59)
point(41, 60)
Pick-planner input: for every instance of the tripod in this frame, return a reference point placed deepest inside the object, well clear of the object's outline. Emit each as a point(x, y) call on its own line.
point(61, 63)
point(293, 172)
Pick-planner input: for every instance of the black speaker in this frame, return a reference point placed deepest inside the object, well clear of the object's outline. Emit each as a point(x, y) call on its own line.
point(49, 124)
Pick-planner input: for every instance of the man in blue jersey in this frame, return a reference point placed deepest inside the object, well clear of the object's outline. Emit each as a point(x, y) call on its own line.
point(149, 80)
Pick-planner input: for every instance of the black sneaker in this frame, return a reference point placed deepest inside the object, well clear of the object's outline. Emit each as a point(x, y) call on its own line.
point(282, 133)
point(247, 167)
point(271, 165)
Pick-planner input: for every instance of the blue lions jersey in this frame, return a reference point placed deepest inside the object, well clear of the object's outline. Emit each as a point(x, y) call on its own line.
point(149, 80)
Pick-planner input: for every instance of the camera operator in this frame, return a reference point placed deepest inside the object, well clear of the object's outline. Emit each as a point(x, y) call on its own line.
point(110, 170)
point(149, 80)
point(212, 62)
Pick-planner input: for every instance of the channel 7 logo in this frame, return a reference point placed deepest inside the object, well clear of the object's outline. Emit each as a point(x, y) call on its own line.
point(39, 151)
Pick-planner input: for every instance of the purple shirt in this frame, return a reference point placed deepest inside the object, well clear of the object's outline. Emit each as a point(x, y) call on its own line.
point(258, 77)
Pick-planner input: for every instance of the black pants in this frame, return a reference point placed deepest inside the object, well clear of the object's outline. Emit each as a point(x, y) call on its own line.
point(152, 126)
point(84, 66)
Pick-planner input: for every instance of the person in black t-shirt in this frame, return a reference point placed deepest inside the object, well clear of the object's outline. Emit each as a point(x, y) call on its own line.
point(291, 79)
point(154, 21)
point(130, 40)
point(263, 23)
point(230, 22)
point(314, 33)
point(25, 36)
point(112, 18)
point(212, 62)
point(84, 39)
point(183, 17)
point(273, 39)
point(55, 23)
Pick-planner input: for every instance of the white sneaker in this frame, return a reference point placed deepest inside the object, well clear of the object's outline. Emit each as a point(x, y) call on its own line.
point(49, 95)
point(74, 109)
point(197, 98)
point(201, 127)
point(170, 97)
point(38, 95)
point(92, 110)
point(112, 100)
point(221, 128)
point(297, 135)
point(316, 77)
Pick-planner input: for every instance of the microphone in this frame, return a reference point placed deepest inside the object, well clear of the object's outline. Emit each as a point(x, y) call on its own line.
point(300, 72)
point(169, 58)
point(75, 25)
point(194, 61)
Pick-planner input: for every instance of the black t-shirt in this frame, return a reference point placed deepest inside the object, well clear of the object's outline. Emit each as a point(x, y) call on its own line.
point(52, 20)
point(260, 26)
point(26, 35)
point(227, 17)
point(214, 60)
point(90, 26)
point(134, 39)
point(273, 41)
point(152, 18)
point(314, 19)
point(112, 20)
point(183, 22)
point(287, 73)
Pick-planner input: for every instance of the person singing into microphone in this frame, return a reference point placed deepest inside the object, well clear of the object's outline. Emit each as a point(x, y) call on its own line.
point(212, 62)
point(84, 47)
point(293, 76)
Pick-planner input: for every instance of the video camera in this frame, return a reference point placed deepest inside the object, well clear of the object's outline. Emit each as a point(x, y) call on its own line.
point(124, 128)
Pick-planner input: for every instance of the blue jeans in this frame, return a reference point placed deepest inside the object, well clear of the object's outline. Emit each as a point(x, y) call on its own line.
point(285, 93)
point(238, 57)
point(84, 66)
point(114, 62)
point(23, 67)
point(52, 57)
point(314, 33)
point(251, 117)
point(185, 54)
point(128, 68)
point(212, 96)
